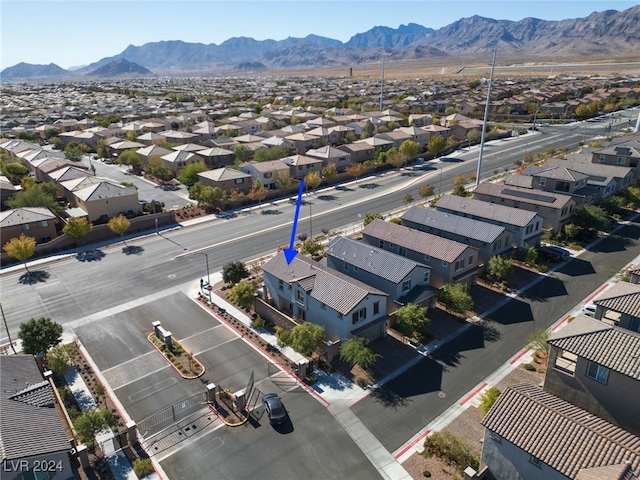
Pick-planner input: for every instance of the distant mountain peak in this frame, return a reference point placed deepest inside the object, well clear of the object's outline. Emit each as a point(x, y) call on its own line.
point(118, 68)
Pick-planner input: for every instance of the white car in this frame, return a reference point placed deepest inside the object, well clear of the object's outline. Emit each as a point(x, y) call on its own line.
point(589, 309)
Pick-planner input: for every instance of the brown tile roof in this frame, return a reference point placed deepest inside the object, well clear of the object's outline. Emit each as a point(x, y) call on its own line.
point(613, 347)
point(623, 297)
point(426, 243)
point(610, 472)
point(563, 436)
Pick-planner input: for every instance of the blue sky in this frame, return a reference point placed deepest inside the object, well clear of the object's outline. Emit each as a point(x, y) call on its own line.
point(78, 32)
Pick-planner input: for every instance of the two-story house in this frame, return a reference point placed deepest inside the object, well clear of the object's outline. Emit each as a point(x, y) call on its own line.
point(36, 222)
point(531, 434)
point(101, 197)
point(620, 155)
point(227, 179)
point(307, 291)
point(328, 154)
point(357, 152)
point(301, 165)
point(402, 279)
point(556, 209)
point(450, 261)
point(525, 226)
point(620, 306)
point(266, 172)
point(595, 366)
point(489, 239)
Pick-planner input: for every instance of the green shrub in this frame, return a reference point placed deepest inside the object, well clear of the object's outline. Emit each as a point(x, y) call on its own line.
point(258, 323)
point(426, 473)
point(451, 449)
point(143, 467)
point(528, 366)
point(361, 382)
point(542, 268)
point(488, 398)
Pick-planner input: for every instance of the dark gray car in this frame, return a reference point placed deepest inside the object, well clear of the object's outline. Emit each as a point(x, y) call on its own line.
point(274, 408)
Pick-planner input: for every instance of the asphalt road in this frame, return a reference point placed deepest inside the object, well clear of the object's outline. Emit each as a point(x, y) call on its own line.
point(411, 401)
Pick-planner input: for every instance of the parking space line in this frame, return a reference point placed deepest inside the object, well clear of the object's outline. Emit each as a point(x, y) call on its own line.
point(107, 370)
point(144, 376)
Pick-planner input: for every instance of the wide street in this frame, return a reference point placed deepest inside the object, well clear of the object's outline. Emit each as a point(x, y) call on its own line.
point(111, 297)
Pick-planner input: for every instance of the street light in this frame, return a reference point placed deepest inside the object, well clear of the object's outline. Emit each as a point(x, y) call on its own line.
point(310, 224)
point(206, 256)
point(440, 184)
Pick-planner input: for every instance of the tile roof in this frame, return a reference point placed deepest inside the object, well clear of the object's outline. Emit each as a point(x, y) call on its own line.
point(339, 292)
point(591, 169)
point(222, 174)
point(490, 211)
point(563, 436)
point(613, 347)
point(104, 190)
point(432, 245)
point(20, 216)
point(371, 259)
point(623, 297)
point(447, 222)
point(180, 156)
point(525, 195)
point(29, 424)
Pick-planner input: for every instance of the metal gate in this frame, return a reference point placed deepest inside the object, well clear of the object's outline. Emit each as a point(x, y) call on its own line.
point(172, 414)
point(254, 399)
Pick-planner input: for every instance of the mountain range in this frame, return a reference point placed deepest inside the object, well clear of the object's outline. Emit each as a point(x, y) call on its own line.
point(607, 34)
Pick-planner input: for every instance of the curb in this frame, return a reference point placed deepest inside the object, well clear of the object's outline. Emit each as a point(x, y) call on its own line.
point(188, 377)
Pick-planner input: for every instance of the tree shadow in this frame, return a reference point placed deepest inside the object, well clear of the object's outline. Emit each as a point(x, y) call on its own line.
point(132, 250)
point(369, 186)
point(490, 333)
point(342, 188)
point(90, 256)
point(389, 398)
point(424, 377)
point(33, 277)
point(327, 198)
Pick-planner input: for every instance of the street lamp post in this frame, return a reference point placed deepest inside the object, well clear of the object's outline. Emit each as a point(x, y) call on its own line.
point(206, 256)
point(440, 183)
point(310, 224)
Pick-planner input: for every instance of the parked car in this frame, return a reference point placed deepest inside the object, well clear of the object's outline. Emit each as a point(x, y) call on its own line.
point(274, 408)
point(589, 309)
point(554, 254)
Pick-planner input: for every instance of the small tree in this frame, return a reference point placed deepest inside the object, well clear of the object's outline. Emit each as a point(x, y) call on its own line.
point(408, 198)
point(242, 294)
point(436, 144)
point(38, 195)
point(39, 335)
point(488, 398)
point(60, 358)
point(282, 178)
point(311, 247)
point(412, 320)
point(396, 158)
point(306, 337)
point(455, 297)
point(356, 352)
point(159, 171)
point(189, 174)
point(370, 217)
point(234, 272)
point(591, 217)
point(143, 467)
point(451, 449)
point(330, 171)
point(410, 149)
point(538, 340)
point(425, 191)
point(73, 152)
point(92, 422)
point(21, 248)
point(368, 130)
point(527, 254)
point(356, 170)
point(77, 228)
point(571, 230)
point(500, 267)
point(257, 193)
point(312, 180)
point(119, 225)
point(242, 153)
point(129, 158)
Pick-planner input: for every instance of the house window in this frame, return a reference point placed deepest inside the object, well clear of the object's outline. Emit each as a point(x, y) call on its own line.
point(566, 362)
point(427, 258)
point(359, 315)
point(381, 244)
point(495, 437)
point(603, 158)
point(239, 181)
point(406, 285)
point(268, 175)
point(470, 262)
point(280, 285)
point(598, 372)
point(43, 223)
point(391, 246)
point(339, 315)
point(445, 264)
point(492, 199)
point(300, 296)
point(426, 276)
point(345, 267)
point(621, 160)
point(36, 475)
point(323, 306)
point(459, 265)
point(543, 182)
point(376, 308)
point(26, 226)
point(534, 460)
point(634, 326)
point(516, 204)
point(45, 239)
point(402, 252)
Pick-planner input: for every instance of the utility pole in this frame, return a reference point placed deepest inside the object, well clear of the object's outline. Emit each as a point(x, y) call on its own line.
point(7, 328)
point(382, 85)
point(486, 116)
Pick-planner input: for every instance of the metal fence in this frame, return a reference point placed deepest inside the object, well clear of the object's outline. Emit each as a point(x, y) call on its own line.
point(172, 414)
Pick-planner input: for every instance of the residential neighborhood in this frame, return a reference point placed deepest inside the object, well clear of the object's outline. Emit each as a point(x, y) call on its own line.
point(158, 180)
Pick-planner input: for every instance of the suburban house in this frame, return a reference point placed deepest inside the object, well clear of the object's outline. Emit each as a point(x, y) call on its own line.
point(620, 306)
point(420, 119)
point(151, 138)
point(402, 279)
point(328, 154)
point(174, 136)
point(7, 190)
point(594, 366)
point(556, 209)
point(377, 143)
point(450, 261)
point(227, 179)
point(304, 141)
point(101, 197)
point(63, 174)
point(301, 165)
point(432, 130)
point(179, 159)
point(397, 137)
point(619, 155)
point(152, 154)
point(526, 226)
point(358, 153)
point(31, 430)
point(266, 172)
point(217, 157)
point(416, 134)
point(36, 222)
point(309, 292)
point(530, 434)
point(488, 238)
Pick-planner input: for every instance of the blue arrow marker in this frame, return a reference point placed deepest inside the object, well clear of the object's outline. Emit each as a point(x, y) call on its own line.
point(290, 253)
